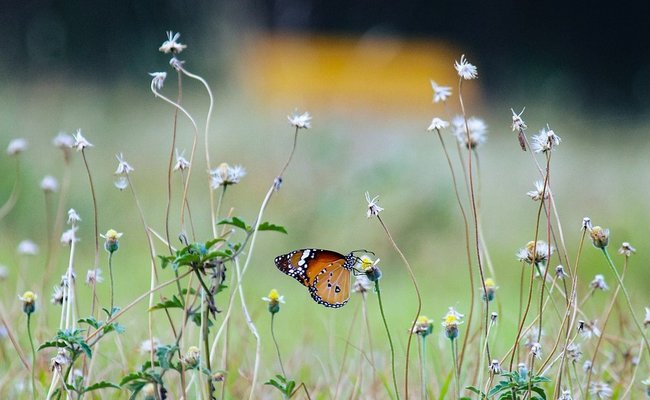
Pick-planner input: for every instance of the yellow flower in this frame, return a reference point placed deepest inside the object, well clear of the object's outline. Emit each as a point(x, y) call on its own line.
point(274, 299)
point(451, 320)
point(599, 237)
point(370, 268)
point(29, 302)
point(112, 240)
point(490, 289)
point(423, 326)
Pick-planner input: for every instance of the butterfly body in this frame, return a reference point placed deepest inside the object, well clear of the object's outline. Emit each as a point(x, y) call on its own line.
point(325, 273)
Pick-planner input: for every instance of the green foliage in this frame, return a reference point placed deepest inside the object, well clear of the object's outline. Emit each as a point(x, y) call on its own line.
point(72, 340)
point(284, 385)
point(516, 386)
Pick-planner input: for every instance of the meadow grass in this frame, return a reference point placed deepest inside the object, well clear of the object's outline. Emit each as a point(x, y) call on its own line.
point(325, 353)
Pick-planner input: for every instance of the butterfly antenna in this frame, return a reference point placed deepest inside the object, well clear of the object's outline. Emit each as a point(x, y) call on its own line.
point(362, 251)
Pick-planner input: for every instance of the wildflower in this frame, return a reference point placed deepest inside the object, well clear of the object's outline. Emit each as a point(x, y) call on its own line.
point(587, 366)
point(4, 273)
point(225, 175)
point(123, 167)
point(490, 289)
point(477, 131)
point(601, 390)
point(73, 217)
point(565, 395)
point(423, 326)
point(536, 350)
point(181, 163)
point(373, 207)
point(59, 361)
point(66, 280)
point(218, 377)
point(559, 272)
point(63, 141)
point(27, 248)
point(518, 123)
point(535, 252)
point(532, 337)
point(545, 141)
point(465, 70)
point(495, 367)
point(121, 183)
point(58, 295)
point(300, 121)
point(49, 184)
point(362, 284)
point(626, 249)
point(370, 268)
point(80, 142)
point(599, 237)
point(599, 283)
point(493, 317)
point(451, 320)
point(69, 236)
point(94, 276)
point(148, 346)
point(573, 352)
point(646, 320)
point(437, 124)
point(274, 299)
point(540, 191)
point(112, 238)
point(440, 93)
point(191, 358)
point(176, 63)
point(171, 45)
point(158, 79)
point(29, 302)
point(587, 329)
point(16, 146)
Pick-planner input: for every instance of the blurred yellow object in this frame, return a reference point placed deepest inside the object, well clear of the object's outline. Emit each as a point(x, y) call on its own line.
point(380, 73)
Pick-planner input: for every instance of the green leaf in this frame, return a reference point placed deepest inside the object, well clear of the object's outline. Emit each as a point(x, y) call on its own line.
point(100, 385)
point(539, 391)
point(445, 387)
point(52, 343)
point(212, 242)
point(267, 226)
point(114, 326)
point(272, 382)
point(131, 377)
point(92, 321)
point(477, 391)
point(234, 221)
point(174, 302)
point(289, 388)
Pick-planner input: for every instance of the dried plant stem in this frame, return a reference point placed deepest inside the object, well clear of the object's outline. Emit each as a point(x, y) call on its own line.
point(341, 367)
point(171, 162)
point(13, 196)
point(31, 343)
point(95, 212)
point(251, 327)
point(467, 248)
point(58, 222)
point(419, 299)
point(390, 339)
point(277, 347)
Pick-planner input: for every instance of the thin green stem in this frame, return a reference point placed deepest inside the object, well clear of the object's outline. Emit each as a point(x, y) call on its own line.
point(95, 213)
point(31, 343)
point(390, 339)
point(423, 366)
point(110, 270)
point(454, 349)
point(277, 348)
point(627, 297)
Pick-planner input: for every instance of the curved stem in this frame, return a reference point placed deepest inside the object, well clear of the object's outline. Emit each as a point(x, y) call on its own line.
point(277, 348)
point(390, 339)
point(95, 214)
point(31, 343)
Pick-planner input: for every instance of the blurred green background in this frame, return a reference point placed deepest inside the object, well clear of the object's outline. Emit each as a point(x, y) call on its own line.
point(366, 83)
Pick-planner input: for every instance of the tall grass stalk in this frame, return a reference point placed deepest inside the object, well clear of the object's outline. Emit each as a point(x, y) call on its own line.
point(390, 339)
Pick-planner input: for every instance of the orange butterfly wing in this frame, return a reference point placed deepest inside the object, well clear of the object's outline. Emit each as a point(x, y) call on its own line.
point(325, 273)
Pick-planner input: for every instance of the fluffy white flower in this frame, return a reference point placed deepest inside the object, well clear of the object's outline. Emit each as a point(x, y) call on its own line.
point(27, 248)
point(158, 79)
point(300, 121)
point(438, 124)
point(373, 208)
point(49, 184)
point(477, 131)
point(16, 146)
point(465, 69)
point(123, 167)
point(440, 93)
point(171, 45)
point(80, 141)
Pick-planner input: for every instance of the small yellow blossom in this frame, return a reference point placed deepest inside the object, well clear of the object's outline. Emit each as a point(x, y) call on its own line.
point(423, 326)
point(112, 240)
point(29, 302)
point(599, 237)
point(274, 299)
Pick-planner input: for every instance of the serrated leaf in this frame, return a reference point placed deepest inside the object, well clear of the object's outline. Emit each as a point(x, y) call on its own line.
point(174, 302)
point(131, 377)
point(52, 343)
point(267, 226)
point(212, 242)
point(234, 221)
point(92, 321)
point(100, 385)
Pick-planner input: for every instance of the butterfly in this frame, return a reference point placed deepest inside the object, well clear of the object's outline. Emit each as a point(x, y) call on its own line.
point(325, 273)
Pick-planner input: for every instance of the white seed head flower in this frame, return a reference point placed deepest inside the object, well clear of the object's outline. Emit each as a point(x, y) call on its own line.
point(63, 141)
point(588, 329)
point(600, 390)
point(536, 350)
point(518, 123)
point(176, 63)
point(495, 367)
point(80, 141)
point(49, 184)
point(440, 93)
point(545, 141)
point(69, 277)
point(225, 175)
point(27, 248)
point(477, 131)
point(626, 249)
point(121, 183)
point(181, 162)
point(465, 70)
point(565, 395)
point(586, 224)
point(158, 79)
point(573, 352)
point(171, 45)
point(587, 366)
point(300, 121)
point(94, 276)
point(69, 236)
point(437, 124)
point(559, 272)
point(535, 252)
point(73, 217)
point(373, 207)
point(598, 283)
point(539, 191)
point(16, 146)
point(57, 295)
point(362, 284)
point(123, 167)
point(148, 346)
point(59, 361)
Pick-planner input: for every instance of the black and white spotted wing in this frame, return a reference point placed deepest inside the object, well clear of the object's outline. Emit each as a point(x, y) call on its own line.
point(325, 273)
